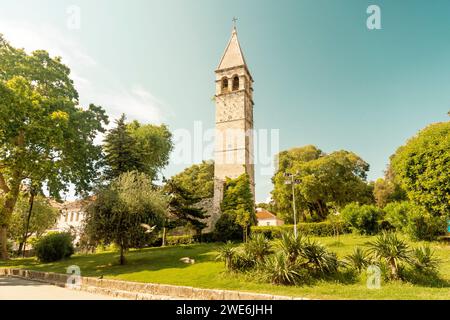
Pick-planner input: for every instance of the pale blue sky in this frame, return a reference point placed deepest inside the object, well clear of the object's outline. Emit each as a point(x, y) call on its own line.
point(321, 76)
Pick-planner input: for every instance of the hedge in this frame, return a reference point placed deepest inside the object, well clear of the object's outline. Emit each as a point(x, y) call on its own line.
point(320, 229)
point(184, 239)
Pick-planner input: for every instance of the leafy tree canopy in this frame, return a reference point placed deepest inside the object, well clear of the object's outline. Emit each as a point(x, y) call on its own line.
point(119, 210)
point(43, 217)
point(322, 181)
point(136, 147)
point(183, 208)
point(45, 136)
point(422, 167)
point(238, 202)
point(198, 179)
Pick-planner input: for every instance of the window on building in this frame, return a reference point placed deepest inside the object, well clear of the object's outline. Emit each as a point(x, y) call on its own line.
point(224, 85)
point(235, 83)
point(78, 216)
point(66, 216)
point(71, 216)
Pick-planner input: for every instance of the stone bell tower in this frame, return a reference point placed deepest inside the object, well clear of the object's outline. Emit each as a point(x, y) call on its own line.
point(234, 121)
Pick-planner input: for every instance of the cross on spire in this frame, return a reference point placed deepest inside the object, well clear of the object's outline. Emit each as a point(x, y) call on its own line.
point(234, 22)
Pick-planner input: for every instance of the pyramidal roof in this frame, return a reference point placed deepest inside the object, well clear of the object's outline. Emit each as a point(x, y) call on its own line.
point(233, 56)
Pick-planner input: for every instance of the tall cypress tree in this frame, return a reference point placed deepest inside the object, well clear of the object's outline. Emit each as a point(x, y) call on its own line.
point(120, 151)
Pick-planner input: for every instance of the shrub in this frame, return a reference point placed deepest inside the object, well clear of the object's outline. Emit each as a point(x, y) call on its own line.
point(258, 247)
point(205, 237)
point(242, 261)
point(278, 270)
point(54, 247)
point(291, 246)
point(319, 259)
point(362, 219)
point(358, 260)
point(414, 221)
point(319, 229)
point(388, 248)
point(227, 229)
point(179, 240)
point(226, 254)
point(423, 260)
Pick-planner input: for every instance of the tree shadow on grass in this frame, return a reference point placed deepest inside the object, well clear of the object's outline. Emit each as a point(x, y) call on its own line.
point(106, 263)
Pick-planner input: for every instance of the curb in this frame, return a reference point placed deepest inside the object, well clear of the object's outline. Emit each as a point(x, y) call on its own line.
point(138, 290)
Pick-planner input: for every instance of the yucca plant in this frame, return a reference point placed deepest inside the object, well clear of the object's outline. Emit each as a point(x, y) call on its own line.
point(258, 247)
point(389, 248)
point(423, 260)
point(278, 270)
point(242, 261)
point(358, 260)
point(292, 246)
point(319, 258)
point(226, 254)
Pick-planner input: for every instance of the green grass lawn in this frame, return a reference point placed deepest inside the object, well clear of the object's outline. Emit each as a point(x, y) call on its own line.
point(162, 265)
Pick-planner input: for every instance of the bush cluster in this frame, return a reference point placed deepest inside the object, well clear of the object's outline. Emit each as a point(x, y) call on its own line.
point(54, 247)
point(414, 221)
point(298, 260)
point(319, 229)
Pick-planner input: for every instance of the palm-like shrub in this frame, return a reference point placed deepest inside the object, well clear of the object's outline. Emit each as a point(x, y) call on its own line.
point(388, 248)
point(242, 261)
point(423, 260)
point(278, 270)
point(358, 260)
point(258, 247)
point(226, 254)
point(291, 246)
point(318, 258)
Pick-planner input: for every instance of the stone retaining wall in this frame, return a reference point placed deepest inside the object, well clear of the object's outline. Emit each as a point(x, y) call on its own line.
point(138, 290)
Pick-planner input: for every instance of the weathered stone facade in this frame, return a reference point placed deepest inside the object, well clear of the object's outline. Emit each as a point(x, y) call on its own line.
point(234, 121)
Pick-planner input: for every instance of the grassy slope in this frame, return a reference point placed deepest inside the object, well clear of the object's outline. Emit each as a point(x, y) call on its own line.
point(162, 265)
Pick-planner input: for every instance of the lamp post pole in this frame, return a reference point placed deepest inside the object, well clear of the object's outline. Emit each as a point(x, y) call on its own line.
point(293, 182)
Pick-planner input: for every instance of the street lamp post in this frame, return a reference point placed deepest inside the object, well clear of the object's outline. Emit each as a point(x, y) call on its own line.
point(290, 180)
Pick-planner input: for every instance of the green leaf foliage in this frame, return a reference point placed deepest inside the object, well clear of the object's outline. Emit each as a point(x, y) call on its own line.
point(323, 181)
point(422, 167)
point(362, 219)
point(119, 210)
point(198, 179)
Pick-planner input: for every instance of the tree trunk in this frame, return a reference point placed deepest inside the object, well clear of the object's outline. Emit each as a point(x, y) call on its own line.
point(27, 226)
point(6, 213)
point(3, 243)
point(164, 237)
point(19, 251)
point(394, 273)
point(122, 258)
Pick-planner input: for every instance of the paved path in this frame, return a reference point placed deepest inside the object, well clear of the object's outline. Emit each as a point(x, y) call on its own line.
point(20, 289)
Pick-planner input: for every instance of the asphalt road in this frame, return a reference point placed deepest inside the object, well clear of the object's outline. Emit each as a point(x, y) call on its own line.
point(20, 289)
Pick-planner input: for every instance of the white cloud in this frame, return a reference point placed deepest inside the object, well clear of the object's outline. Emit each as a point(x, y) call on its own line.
point(134, 100)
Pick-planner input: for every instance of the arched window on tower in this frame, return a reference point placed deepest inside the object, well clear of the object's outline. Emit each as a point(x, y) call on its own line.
point(235, 83)
point(224, 85)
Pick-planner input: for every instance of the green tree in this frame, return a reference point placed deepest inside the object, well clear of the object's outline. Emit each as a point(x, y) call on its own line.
point(45, 136)
point(154, 145)
point(23, 225)
point(198, 179)
point(119, 211)
point(120, 151)
point(324, 181)
point(238, 203)
point(183, 208)
point(136, 147)
point(422, 167)
point(386, 191)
